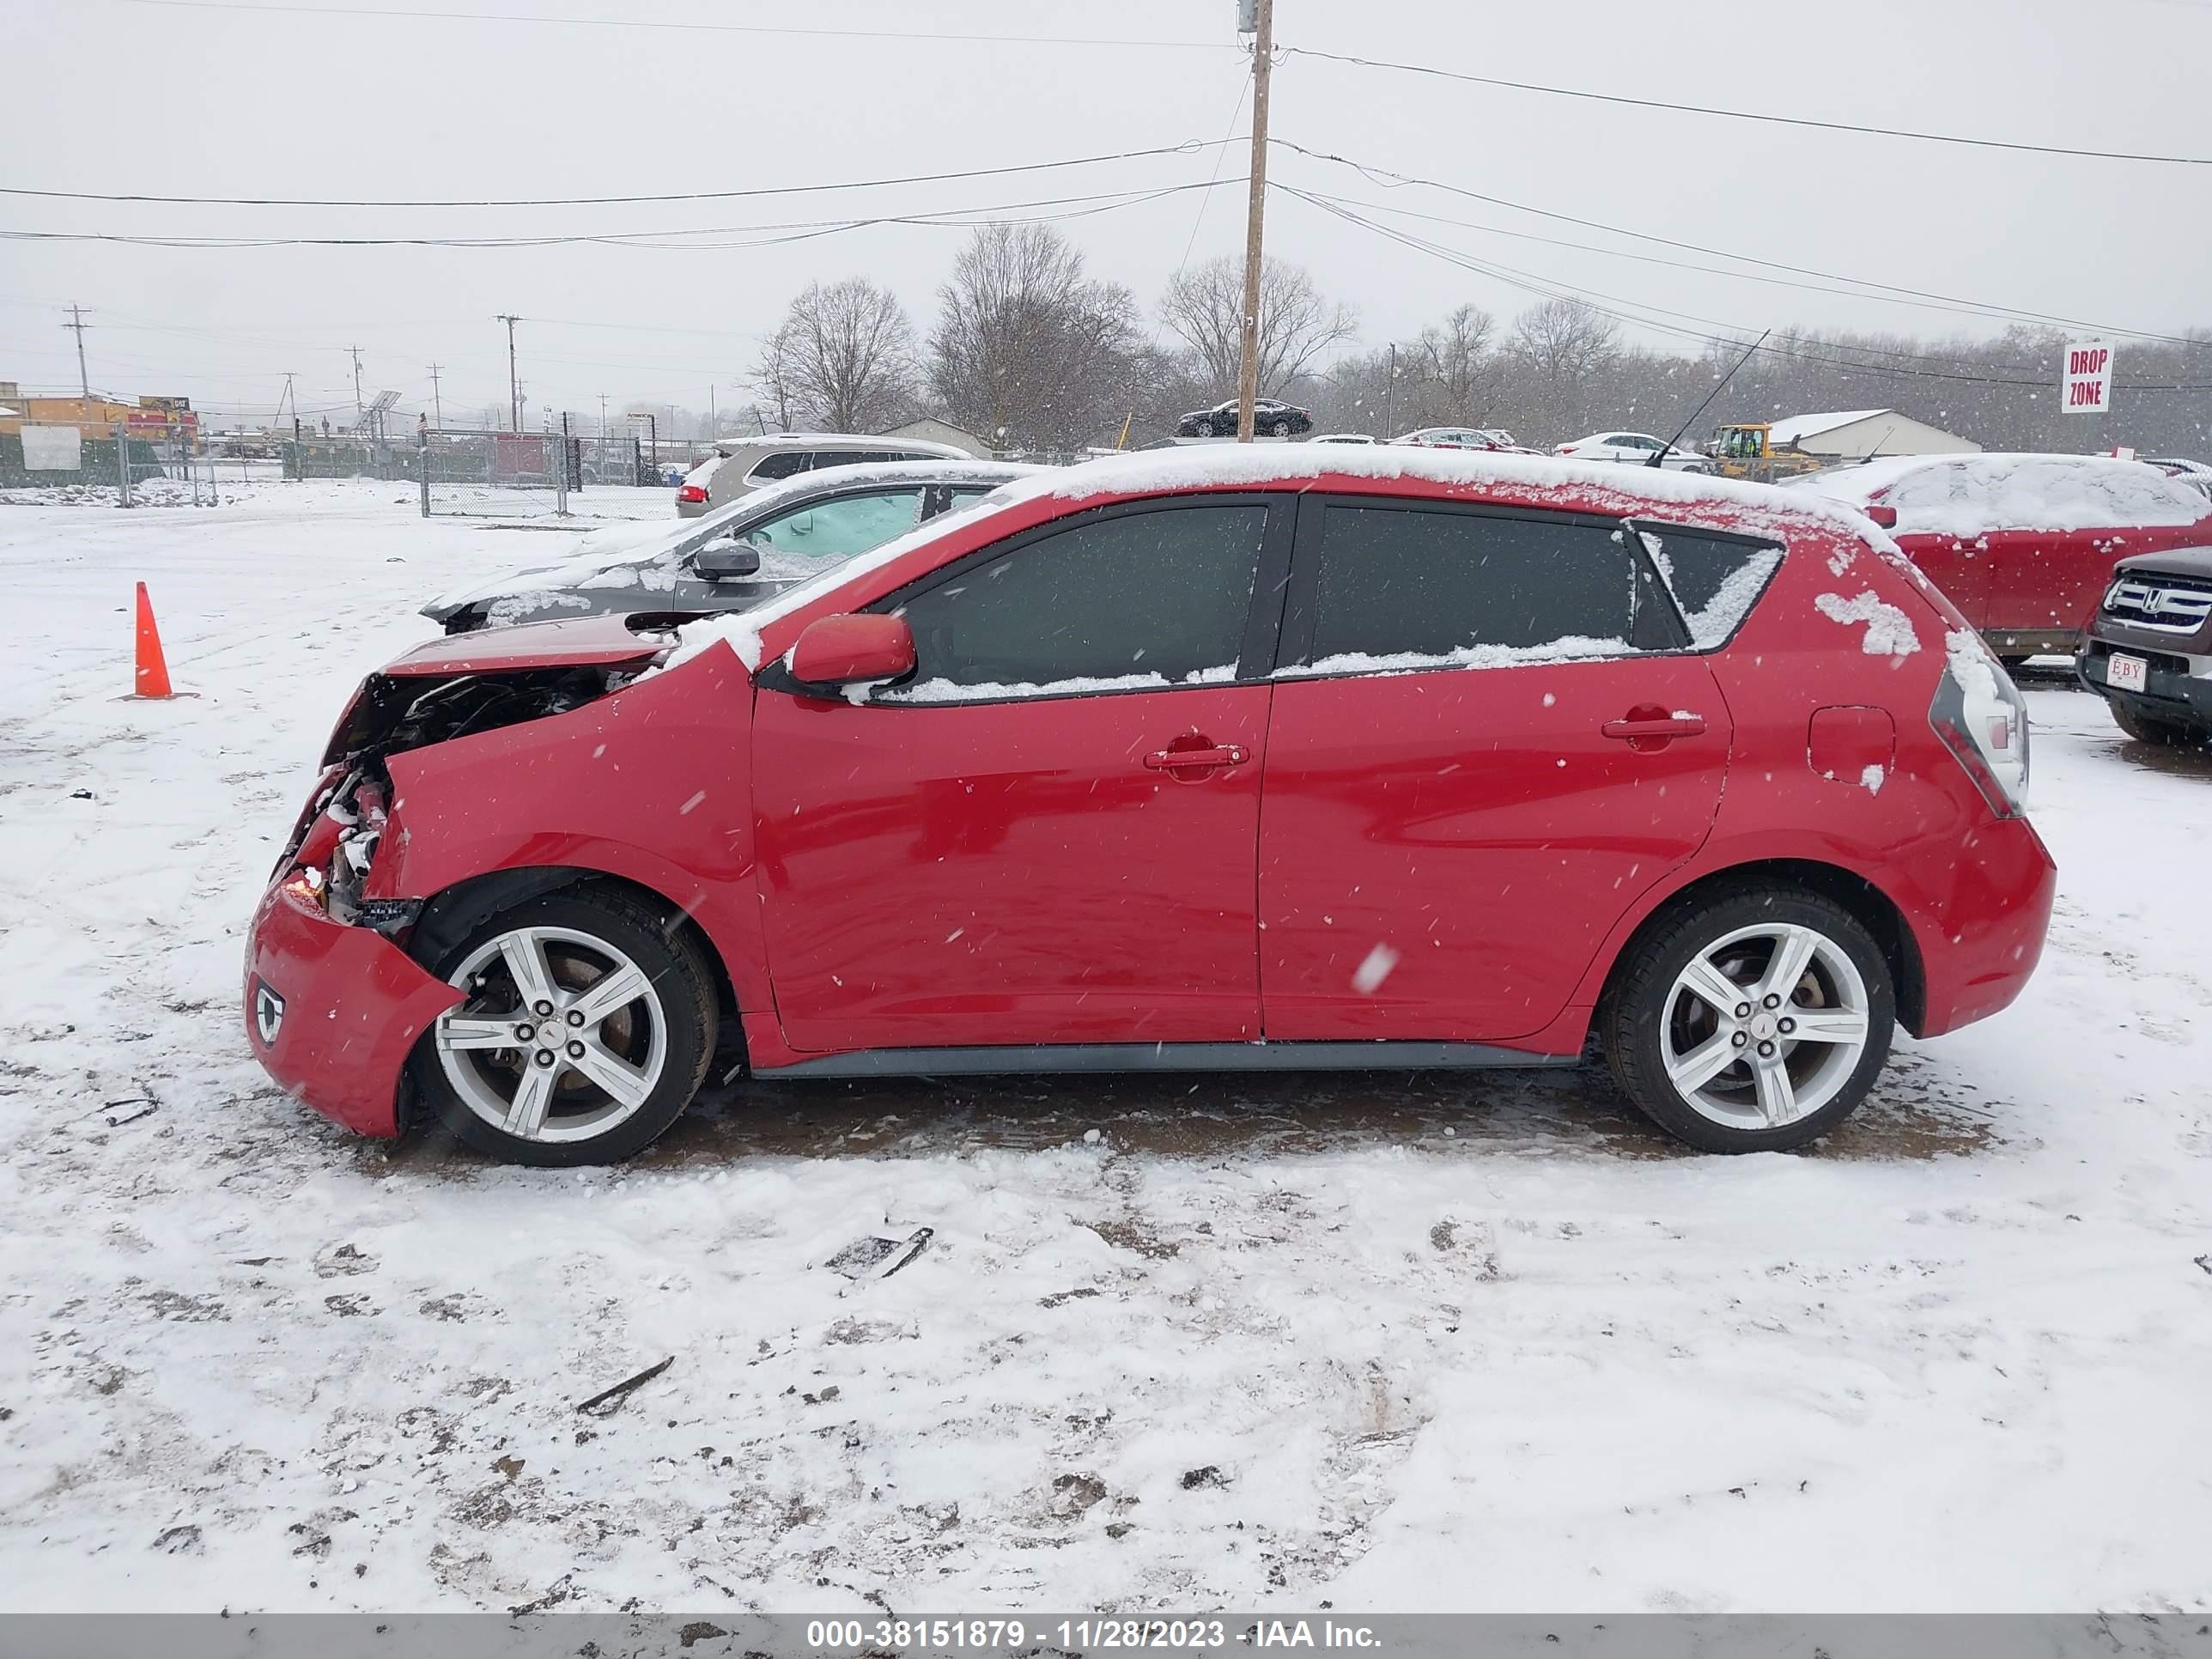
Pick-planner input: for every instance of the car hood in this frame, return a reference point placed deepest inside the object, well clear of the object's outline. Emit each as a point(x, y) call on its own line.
point(591, 641)
point(2177, 562)
point(619, 555)
point(617, 545)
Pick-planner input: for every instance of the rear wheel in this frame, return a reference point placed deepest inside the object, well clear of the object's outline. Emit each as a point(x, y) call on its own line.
point(584, 1032)
point(1753, 1022)
point(2144, 728)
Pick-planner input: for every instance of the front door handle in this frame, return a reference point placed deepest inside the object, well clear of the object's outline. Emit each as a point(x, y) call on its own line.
point(1661, 725)
point(1197, 759)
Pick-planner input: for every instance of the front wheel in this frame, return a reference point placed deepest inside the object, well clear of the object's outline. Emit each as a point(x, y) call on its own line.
point(1753, 1023)
point(2143, 728)
point(584, 1032)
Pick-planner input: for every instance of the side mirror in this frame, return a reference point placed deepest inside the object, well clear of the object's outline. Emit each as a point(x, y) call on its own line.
point(846, 650)
point(1884, 516)
point(719, 561)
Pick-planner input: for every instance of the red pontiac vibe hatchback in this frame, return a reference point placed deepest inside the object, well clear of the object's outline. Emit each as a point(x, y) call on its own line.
point(1253, 758)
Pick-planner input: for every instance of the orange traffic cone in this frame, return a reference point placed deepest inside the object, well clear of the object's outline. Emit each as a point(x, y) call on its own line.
point(152, 667)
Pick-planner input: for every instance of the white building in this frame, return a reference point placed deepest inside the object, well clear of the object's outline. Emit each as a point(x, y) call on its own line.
point(1858, 434)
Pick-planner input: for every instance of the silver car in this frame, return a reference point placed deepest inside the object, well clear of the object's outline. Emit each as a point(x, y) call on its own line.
point(740, 466)
point(736, 557)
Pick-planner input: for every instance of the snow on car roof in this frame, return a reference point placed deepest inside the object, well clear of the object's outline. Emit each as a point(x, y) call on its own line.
point(844, 440)
point(1807, 426)
point(1753, 507)
point(2023, 491)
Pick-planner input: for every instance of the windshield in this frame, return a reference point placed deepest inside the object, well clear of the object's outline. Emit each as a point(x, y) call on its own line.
point(836, 530)
point(820, 581)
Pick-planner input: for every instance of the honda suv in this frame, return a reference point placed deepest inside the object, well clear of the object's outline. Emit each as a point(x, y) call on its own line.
point(1267, 758)
point(2148, 649)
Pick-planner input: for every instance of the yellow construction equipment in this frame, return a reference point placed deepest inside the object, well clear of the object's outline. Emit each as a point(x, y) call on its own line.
point(1746, 450)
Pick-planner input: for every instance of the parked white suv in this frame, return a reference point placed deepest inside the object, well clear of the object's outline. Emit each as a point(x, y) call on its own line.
point(740, 466)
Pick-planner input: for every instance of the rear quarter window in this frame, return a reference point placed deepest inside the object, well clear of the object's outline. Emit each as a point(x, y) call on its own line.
point(1714, 579)
point(789, 464)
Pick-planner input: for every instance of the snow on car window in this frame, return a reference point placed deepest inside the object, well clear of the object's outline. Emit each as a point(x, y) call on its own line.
point(2037, 492)
point(1571, 648)
point(944, 691)
point(1714, 582)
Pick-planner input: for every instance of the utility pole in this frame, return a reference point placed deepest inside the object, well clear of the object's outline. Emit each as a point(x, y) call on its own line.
point(1389, 392)
point(356, 390)
point(603, 414)
point(437, 404)
point(513, 386)
point(1248, 374)
point(83, 380)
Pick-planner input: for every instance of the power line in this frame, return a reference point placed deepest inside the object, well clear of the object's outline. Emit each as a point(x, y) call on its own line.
point(1552, 288)
point(650, 23)
point(1753, 115)
point(2000, 312)
point(1684, 265)
point(1187, 147)
point(1243, 87)
point(763, 235)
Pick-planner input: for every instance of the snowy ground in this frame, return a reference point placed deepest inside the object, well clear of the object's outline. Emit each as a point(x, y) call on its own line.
point(1447, 1342)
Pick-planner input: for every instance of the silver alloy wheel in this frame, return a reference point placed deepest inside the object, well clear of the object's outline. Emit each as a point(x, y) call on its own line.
point(1764, 1026)
point(561, 1037)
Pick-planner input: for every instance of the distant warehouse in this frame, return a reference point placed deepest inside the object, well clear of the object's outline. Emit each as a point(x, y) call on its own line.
point(1856, 434)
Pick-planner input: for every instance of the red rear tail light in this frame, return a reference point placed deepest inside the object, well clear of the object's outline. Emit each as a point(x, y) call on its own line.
point(691, 493)
point(1982, 719)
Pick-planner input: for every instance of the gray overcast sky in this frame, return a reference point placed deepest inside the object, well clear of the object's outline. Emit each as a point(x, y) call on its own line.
point(320, 102)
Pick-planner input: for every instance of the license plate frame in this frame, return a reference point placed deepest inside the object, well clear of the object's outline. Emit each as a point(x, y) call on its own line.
point(2123, 673)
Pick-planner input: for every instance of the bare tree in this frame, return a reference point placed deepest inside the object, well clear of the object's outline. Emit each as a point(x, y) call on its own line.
point(775, 379)
point(1204, 306)
point(1025, 341)
point(842, 358)
point(1451, 356)
point(1563, 348)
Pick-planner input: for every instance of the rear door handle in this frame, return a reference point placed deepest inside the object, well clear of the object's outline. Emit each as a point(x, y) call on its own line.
point(1176, 760)
point(1667, 726)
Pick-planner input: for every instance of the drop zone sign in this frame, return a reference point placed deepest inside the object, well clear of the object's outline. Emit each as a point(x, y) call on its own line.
point(2088, 383)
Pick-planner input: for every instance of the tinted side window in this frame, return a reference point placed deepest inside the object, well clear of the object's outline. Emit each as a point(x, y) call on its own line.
point(1138, 598)
point(788, 464)
point(1461, 587)
point(1714, 581)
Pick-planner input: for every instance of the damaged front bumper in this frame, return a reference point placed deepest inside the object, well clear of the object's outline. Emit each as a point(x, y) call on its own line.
point(332, 1010)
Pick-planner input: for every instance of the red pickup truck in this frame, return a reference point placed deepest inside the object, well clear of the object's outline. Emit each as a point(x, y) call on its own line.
point(2023, 544)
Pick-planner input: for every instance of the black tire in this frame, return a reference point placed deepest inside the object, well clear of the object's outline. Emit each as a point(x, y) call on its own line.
point(682, 981)
point(1282, 429)
point(2144, 728)
point(1632, 1019)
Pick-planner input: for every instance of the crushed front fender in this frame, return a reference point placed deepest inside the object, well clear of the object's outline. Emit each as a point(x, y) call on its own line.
point(332, 1011)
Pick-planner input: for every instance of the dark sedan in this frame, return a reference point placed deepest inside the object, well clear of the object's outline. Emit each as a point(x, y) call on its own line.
point(1270, 419)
